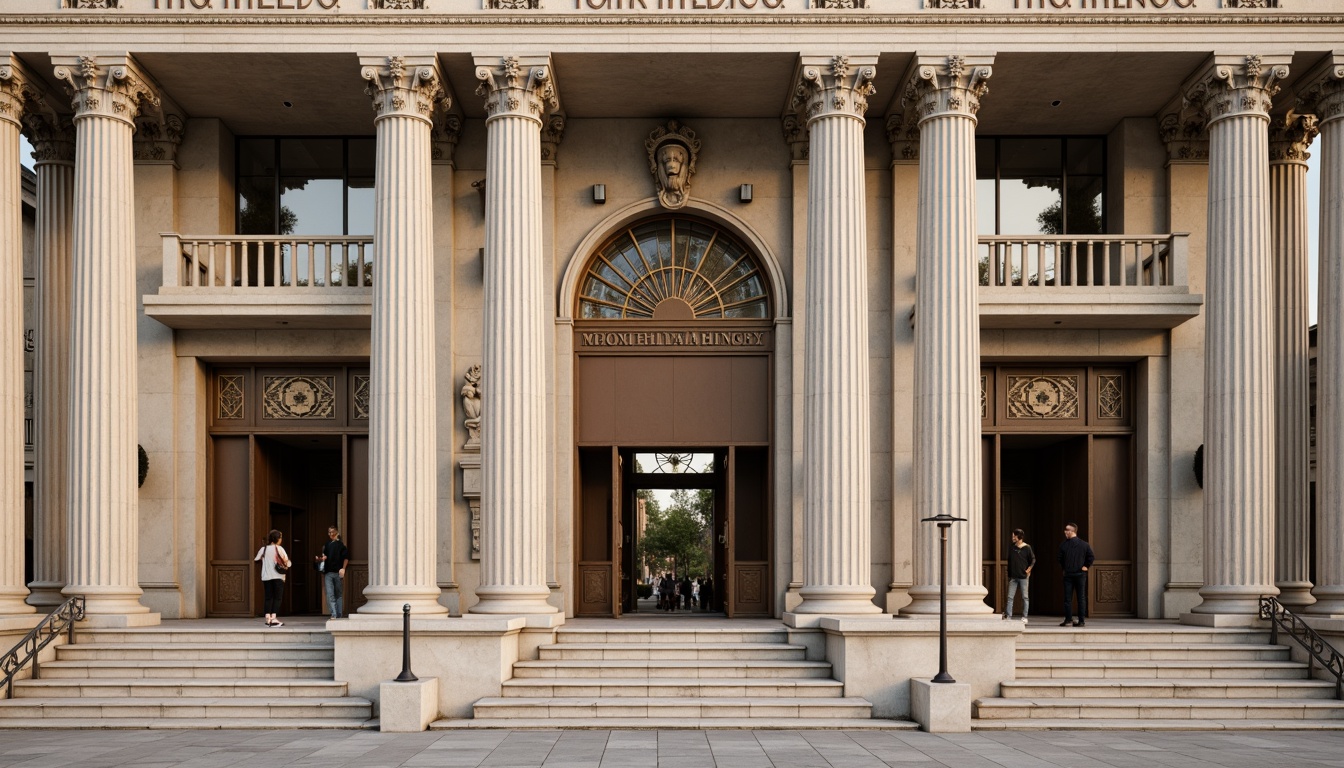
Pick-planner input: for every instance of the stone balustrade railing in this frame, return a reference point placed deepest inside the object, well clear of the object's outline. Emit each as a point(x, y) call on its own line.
point(214, 262)
point(1094, 261)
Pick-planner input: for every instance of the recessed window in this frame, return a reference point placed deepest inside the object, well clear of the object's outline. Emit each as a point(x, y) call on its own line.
point(305, 186)
point(674, 463)
point(1041, 185)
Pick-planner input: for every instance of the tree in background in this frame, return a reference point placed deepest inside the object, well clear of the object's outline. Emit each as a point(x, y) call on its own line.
point(678, 538)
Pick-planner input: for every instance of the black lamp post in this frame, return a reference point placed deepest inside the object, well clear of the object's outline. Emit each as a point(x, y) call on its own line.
point(944, 522)
point(406, 675)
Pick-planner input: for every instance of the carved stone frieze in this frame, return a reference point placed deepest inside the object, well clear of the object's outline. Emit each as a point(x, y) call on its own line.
point(93, 4)
point(443, 136)
point(20, 93)
point(672, 151)
point(513, 5)
point(108, 85)
point(231, 397)
point(1266, 4)
point(839, 5)
point(937, 85)
point(52, 135)
point(552, 131)
point(1290, 136)
point(518, 86)
point(406, 86)
point(1321, 91)
point(1232, 86)
point(298, 397)
point(399, 5)
point(953, 5)
point(796, 135)
point(1042, 397)
point(841, 86)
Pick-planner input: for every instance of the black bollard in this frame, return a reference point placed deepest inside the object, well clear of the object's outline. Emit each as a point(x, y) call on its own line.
point(406, 675)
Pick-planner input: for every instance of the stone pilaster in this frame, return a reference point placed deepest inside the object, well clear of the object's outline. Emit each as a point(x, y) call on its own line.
point(1322, 94)
point(1289, 137)
point(17, 92)
point(403, 492)
point(1235, 95)
point(53, 139)
point(519, 95)
point(942, 95)
point(832, 96)
point(103, 552)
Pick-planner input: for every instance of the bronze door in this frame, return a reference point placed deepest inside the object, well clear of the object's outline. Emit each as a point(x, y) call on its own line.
point(749, 538)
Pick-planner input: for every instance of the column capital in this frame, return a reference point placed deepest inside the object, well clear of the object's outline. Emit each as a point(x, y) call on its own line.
point(1234, 85)
point(945, 85)
point(52, 135)
point(1290, 135)
point(20, 91)
point(1321, 90)
point(158, 134)
point(443, 136)
point(404, 86)
point(552, 131)
point(1184, 131)
point(903, 135)
point(833, 86)
point(517, 86)
point(108, 85)
point(796, 135)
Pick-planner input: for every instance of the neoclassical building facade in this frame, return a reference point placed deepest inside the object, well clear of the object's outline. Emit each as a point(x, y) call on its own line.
point(455, 279)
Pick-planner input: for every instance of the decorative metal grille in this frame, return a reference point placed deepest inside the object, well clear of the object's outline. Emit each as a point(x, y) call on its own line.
point(361, 396)
point(231, 397)
point(1042, 397)
point(673, 269)
point(984, 399)
point(298, 397)
point(1110, 396)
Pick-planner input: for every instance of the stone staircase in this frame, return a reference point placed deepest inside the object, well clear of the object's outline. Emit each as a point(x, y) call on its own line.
point(1159, 676)
point(672, 678)
point(188, 677)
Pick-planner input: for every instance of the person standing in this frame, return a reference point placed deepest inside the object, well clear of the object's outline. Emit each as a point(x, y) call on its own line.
point(332, 563)
point(1075, 557)
point(707, 594)
point(686, 587)
point(271, 555)
point(667, 592)
point(1021, 559)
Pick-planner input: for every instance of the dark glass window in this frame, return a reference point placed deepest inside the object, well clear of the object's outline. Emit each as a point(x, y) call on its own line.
point(305, 186)
point(1041, 185)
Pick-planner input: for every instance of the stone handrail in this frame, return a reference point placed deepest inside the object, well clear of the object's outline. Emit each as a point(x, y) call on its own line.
point(1090, 261)
point(222, 262)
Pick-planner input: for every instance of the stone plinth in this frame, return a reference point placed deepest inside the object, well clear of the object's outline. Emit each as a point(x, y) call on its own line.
point(408, 707)
point(941, 707)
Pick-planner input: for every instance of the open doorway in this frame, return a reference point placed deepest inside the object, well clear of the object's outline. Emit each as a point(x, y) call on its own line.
point(676, 510)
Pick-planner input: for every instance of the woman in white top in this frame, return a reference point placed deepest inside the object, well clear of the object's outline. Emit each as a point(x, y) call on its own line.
point(269, 555)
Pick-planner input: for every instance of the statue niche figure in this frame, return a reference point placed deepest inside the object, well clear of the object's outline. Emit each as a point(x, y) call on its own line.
point(471, 406)
point(672, 154)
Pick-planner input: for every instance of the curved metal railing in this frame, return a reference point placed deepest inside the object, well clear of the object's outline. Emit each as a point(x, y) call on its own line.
point(1317, 648)
point(61, 620)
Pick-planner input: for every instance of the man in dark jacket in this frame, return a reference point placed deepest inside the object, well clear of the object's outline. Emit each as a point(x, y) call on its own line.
point(1075, 557)
point(1021, 559)
point(332, 563)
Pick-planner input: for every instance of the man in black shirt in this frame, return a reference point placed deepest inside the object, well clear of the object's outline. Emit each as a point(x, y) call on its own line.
point(332, 563)
point(1021, 559)
point(1075, 557)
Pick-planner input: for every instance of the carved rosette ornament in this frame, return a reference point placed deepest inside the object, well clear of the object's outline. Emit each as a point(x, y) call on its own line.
point(514, 89)
point(406, 87)
point(1229, 87)
point(952, 86)
point(673, 151)
point(1290, 137)
point(835, 90)
point(111, 86)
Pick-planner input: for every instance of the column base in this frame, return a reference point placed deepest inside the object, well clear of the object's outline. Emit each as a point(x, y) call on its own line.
point(1329, 602)
point(1218, 620)
point(513, 601)
point(837, 600)
point(12, 603)
point(387, 601)
point(961, 601)
point(1295, 594)
point(119, 620)
point(1234, 600)
point(112, 606)
point(533, 620)
point(45, 594)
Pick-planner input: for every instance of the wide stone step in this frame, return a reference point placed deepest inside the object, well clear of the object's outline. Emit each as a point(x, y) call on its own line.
point(1132, 651)
point(1046, 632)
point(1172, 669)
point(682, 724)
point(151, 635)
point(272, 688)
point(203, 670)
point(1171, 689)
point(662, 651)
point(199, 651)
point(1159, 709)
point(673, 668)
point(673, 687)
point(664, 637)
point(1050, 724)
point(347, 708)
point(670, 709)
point(186, 723)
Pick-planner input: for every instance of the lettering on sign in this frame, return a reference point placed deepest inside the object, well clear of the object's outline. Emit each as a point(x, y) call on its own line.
point(1101, 5)
point(672, 338)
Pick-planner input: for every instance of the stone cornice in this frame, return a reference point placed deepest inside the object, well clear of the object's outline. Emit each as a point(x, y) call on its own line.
point(944, 85)
point(1290, 136)
point(107, 85)
point(404, 86)
point(20, 91)
point(1321, 90)
point(1236, 86)
point(834, 86)
point(516, 86)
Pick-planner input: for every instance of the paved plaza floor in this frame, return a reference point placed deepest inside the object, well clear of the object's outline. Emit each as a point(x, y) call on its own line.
point(668, 749)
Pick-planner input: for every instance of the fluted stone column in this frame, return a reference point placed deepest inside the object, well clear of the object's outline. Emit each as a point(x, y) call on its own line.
point(403, 473)
point(1235, 94)
point(1289, 138)
point(1322, 94)
point(103, 550)
point(832, 94)
point(16, 91)
point(53, 139)
point(518, 94)
point(945, 93)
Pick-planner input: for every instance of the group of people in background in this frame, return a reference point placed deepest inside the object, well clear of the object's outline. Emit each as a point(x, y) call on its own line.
point(686, 594)
point(1075, 557)
point(275, 565)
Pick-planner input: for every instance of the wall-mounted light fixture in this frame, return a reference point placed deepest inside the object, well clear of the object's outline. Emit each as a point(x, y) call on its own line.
point(600, 194)
point(744, 193)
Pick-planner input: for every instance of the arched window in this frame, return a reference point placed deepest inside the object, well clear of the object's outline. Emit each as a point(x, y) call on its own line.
point(673, 269)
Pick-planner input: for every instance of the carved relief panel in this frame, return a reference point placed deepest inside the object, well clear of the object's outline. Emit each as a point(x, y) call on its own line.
point(1049, 399)
point(318, 398)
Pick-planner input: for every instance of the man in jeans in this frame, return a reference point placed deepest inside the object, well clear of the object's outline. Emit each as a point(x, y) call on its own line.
point(1021, 559)
point(1075, 557)
point(332, 562)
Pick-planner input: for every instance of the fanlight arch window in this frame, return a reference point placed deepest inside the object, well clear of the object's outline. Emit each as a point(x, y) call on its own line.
point(673, 269)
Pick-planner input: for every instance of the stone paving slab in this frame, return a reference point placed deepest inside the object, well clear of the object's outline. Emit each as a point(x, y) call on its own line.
point(670, 749)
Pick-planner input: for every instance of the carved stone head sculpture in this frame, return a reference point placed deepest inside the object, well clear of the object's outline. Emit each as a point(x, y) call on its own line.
point(672, 153)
